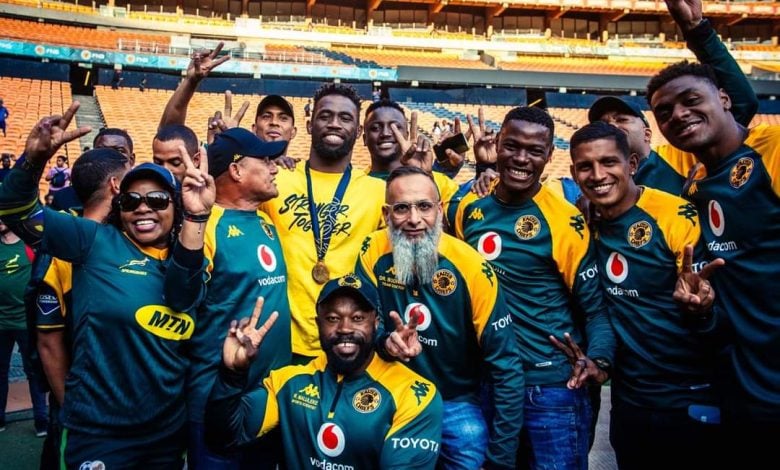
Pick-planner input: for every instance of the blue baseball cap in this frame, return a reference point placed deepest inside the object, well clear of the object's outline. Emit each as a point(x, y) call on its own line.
point(613, 103)
point(152, 172)
point(350, 284)
point(237, 143)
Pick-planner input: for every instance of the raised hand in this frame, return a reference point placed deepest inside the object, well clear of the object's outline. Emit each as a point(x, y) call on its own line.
point(584, 370)
point(244, 338)
point(403, 343)
point(50, 134)
point(484, 182)
point(198, 190)
point(686, 13)
point(693, 290)
point(204, 62)
point(484, 139)
point(224, 121)
point(454, 159)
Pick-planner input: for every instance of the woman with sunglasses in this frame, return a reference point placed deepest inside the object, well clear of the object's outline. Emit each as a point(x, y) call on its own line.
point(123, 405)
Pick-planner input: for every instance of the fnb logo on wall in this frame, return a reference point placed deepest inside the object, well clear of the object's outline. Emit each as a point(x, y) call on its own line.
point(617, 267)
point(489, 245)
point(267, 258)
point(330, 439)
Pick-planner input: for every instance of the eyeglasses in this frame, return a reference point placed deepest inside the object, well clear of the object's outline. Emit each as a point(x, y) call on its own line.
point(404, 208)
point(155, 200)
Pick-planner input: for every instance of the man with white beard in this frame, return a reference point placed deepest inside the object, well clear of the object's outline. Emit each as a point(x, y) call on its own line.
point(463, 325)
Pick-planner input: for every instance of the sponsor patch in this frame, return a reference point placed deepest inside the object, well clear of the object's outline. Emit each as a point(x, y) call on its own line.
point(163, 322)
point(527, 227)
point(330, 439)
point(366, 401)
point(640, 234)
point(444, 282)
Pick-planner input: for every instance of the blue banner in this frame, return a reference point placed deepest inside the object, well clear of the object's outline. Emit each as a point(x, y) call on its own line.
point(236, 66)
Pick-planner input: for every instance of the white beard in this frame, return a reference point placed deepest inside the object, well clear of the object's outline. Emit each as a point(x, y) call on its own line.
point(417, 256)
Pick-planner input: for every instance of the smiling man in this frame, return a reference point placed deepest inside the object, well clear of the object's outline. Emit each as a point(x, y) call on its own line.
point(659, 407)
point(465, 330)
point(739, 204)
point(348, 408)
point(539, 246)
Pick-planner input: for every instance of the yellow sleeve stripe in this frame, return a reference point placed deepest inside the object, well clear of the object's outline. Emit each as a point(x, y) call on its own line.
point(680, 161)
point(480, 279)
point(16, 210)
point(447, 187)
point(765, 139)
point(411, 393)
point(460, 215)
point(59, 276)
point(375, 246)
point(570, 239)
point(675, 217)
point(276, 381)
point(58, 326)
point(210, 237)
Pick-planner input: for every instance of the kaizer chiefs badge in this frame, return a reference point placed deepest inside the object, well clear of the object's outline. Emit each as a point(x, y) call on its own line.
point(740, 174)
point(267, 229)
point(527, 227)
point(639, 234)
point(367, 400)
point(350, 280)
point(444, 282)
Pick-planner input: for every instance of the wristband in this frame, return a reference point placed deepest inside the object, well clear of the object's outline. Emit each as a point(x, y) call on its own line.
point(197, 218)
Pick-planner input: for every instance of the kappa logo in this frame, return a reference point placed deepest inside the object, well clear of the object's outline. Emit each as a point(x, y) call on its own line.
point(640, 234)
point(234, 231)
point(741, 172)
point(689, 212)
point(527, 227)
point(489, 245)
point(366, 401)
point(488, 272)
point(266, 257)
point(311, 391)
point(420, 390)
point(476, 214)
point(617, 267)
point(716, 219)
point(92, 465)
point(330, 439)
point(421, 313)
point(365, 245)
point(578, 224)
point(444, 282)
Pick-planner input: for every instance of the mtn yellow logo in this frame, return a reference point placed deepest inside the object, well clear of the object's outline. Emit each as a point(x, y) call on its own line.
point(161, 321)
point(234, 231)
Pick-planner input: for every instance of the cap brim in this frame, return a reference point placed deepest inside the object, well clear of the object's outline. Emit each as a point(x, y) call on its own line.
point(609, 103)
point(263, 149)
point(276, 100)
point(346, 290)
point(144, 174)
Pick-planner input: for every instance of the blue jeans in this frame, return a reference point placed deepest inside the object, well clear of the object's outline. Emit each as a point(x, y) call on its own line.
point(464, 437)
point(38, 397)
point(556, 429)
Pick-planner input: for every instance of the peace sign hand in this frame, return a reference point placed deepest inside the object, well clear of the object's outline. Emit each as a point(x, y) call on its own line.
point(198, 191)
point(686, 13)
point(204, 62)
point(223, 121)
point(403, 343)
point(584, 370)
point(244, 338)
point(693, 290)
point(484, 139)
point(50, 133)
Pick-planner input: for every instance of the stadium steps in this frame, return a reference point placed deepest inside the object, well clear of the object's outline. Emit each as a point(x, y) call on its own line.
point(344, 58)
point(89, 115)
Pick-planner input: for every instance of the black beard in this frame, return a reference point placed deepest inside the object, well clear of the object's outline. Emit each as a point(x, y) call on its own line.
point(329, 153)
point(347, 366)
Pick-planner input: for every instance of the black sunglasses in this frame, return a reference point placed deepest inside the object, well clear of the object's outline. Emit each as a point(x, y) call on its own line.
point(155, 200)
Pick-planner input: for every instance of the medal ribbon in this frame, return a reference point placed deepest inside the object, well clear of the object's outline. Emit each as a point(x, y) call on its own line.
point(330, 212)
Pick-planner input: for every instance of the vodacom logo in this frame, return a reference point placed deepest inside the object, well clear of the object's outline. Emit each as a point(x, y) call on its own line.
point(421, 313)
point(266, 257)
point(330, 439)
point(617, 268)
point(717, 221)
point(489, 245)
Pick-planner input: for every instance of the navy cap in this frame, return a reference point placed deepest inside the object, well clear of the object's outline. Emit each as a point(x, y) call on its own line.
point(276, 100)
point(350, 284)
point(152, 172)
point(237, 143)
point(613, 103)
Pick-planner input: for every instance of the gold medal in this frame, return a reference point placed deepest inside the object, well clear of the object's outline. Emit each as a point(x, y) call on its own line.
point(320, 273)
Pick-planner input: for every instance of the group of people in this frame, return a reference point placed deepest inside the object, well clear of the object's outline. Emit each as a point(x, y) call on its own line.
point(397, 319)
